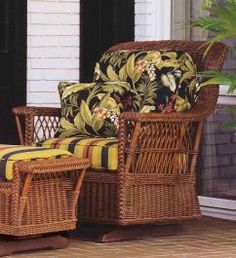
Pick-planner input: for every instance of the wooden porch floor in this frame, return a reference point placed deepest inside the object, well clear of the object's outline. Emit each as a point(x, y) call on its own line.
point(208, 237)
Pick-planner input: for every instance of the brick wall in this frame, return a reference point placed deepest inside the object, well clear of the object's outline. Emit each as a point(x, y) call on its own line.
point(218, 156)
point(53, 48)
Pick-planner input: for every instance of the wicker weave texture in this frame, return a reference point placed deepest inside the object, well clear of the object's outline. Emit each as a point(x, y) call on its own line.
point(156, 178)
point(42, 197)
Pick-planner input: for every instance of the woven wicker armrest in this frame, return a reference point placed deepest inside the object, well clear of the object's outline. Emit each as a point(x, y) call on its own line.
point(204, 106)
point(144, 138)
point(162, 117)
point(52, 165)
point(36, 111)
point(36, 123)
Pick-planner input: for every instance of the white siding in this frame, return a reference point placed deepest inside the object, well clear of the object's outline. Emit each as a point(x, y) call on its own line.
point(53, 42)
point(53, 48)
point(152, 19)
point(143, 20)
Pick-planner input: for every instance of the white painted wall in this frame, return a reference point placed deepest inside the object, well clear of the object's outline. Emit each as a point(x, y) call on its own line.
point(53, 48)
point(152, 19)
point(53, 42)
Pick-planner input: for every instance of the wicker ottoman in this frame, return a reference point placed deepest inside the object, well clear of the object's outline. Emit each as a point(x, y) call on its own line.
point(41, 198)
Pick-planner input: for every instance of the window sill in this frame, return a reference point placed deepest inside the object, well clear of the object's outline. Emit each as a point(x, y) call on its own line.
point(227, 100)
point(224, 99)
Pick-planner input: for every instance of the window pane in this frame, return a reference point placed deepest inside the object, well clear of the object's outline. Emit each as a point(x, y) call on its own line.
point(218, 157)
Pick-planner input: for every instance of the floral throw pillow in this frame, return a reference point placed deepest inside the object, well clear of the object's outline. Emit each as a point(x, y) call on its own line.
point(91, 108)
point(165, 81)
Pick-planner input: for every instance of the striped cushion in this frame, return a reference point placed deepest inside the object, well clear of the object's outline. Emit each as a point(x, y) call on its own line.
point(102, 152)
point(9, 154)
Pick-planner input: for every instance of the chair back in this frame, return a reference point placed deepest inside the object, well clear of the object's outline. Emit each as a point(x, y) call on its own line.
point(213, 60)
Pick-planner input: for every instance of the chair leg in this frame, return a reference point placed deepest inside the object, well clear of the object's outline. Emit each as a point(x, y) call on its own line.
point(8, 247)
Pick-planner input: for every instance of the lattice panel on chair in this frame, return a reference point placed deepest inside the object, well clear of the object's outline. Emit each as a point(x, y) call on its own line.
point(45, 127)
point(163, 148)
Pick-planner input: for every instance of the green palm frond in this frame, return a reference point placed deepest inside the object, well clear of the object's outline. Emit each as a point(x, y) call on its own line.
point(221, 23)
point(213, 77)
point(222, 26)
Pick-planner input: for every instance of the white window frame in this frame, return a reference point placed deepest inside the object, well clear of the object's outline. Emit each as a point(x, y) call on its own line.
point(219, 208)
point(224, 98)
point(154, 21)
point(162, 19)
point(214, 207)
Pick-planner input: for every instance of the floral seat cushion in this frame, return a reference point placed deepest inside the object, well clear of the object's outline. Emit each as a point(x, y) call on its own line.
point(102, 152)
point(160, 81)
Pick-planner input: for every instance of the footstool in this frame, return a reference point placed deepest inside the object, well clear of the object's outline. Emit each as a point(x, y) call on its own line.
point(39, 195)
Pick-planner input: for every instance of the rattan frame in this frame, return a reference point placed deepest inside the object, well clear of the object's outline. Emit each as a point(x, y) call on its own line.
point(156, 177)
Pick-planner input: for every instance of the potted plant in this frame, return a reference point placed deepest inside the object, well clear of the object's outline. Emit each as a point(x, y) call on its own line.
point(221, 24)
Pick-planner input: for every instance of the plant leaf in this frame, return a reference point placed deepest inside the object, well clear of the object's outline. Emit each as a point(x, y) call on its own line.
point(213, 77)
point(221, 23)
point(85, 113)
point(133, 73)
point(123, 73)
point(120, 87)
point(65, 124)
point(76, 88)
point(79, 122)
point(112, 74)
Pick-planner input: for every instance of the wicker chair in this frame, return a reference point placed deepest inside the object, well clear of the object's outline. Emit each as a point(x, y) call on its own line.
point(155, 182)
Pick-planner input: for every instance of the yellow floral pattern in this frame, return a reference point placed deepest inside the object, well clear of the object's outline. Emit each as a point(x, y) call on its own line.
point(161, 81)
point(91, 108)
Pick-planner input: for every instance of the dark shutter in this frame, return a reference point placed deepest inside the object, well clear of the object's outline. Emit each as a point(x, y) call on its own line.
point(103, 23)
point(13, 15)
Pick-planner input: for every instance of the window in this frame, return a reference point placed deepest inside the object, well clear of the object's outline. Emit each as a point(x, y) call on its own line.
point(152, 19)
point(184, 10)
point(217, 170)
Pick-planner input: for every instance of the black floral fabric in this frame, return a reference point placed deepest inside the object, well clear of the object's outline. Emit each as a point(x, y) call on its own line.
point(160, 81)
point(91, 108)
